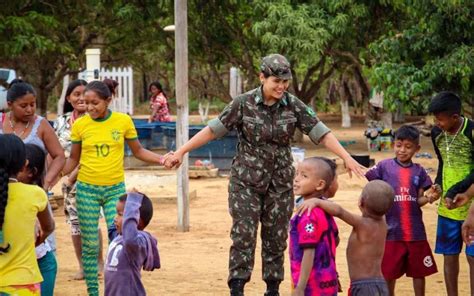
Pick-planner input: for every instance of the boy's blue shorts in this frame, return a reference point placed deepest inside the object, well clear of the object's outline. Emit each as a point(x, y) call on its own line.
point(449, 237)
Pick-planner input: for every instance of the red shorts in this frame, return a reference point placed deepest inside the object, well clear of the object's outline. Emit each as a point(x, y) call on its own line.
point(413, 258)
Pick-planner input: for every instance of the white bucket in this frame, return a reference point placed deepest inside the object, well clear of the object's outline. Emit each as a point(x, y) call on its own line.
point(298, 155)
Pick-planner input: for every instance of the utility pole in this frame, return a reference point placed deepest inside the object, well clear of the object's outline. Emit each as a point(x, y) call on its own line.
point(182, 122)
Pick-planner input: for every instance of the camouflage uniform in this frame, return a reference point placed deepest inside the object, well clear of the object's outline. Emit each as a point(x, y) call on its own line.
point(261, 180)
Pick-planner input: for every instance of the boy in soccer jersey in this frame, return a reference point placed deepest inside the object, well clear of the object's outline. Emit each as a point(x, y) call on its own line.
point(453, 142)
point(406, 248)
point(313, 237)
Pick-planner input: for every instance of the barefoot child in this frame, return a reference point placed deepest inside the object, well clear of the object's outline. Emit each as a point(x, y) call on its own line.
point(132, 249)
point(365, 247)
point(407, 250)
point(313, 237)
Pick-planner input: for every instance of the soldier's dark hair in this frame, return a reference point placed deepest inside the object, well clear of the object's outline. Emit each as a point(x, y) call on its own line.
point(12, 160)
point(146, 209)
point(100, 88)
point(446, 102)
point(36, 161)
point(408, 132)
point(70, 88)
point(377, 197)
point(18, 88)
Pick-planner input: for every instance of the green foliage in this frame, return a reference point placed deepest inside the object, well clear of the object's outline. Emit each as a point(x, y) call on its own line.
point(430, 51)
point(409, 49)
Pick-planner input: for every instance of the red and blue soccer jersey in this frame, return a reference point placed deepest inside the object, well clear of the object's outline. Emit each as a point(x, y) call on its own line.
point(404, 219)
point(317, 231)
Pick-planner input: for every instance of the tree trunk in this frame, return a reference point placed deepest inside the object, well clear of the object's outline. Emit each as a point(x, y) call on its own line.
point(145, 87)
point(399, 116)
point(344, 94)
point(386, 118)
point(42, 102)
point(204, 110)
point(346, 117)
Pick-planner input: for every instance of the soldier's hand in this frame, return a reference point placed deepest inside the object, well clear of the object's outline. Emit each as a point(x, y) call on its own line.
point(352, 166)
point(173, 160)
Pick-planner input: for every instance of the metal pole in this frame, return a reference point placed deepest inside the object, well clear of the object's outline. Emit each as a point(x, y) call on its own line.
point(182, 122)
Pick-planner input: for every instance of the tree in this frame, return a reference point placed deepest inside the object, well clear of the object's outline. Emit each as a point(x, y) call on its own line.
point(430, 50)
point(46, 40)
point(319, 37)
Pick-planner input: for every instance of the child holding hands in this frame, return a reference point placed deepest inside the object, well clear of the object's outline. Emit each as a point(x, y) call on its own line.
point(98, 140)
point(407, 250)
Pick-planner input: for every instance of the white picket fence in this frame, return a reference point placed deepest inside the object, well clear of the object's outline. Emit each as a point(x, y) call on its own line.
point(123, 101)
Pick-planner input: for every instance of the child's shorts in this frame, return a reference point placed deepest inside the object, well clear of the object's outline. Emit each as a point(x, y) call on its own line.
point(413, 258)
point(21, 290)
point(375, 286)
point(449, 237)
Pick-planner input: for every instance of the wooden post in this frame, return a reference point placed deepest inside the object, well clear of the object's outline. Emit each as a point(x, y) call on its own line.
point(182, 131)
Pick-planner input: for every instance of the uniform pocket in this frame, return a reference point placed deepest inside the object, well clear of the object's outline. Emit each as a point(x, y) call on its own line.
point(252, 128)
point(285, 129)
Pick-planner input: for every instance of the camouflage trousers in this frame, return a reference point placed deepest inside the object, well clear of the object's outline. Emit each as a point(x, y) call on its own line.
point(273, 210)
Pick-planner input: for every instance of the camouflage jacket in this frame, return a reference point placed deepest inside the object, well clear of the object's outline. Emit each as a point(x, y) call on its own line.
point(264, 152)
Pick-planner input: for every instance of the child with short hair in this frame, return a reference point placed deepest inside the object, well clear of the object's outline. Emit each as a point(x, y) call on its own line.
point(313, 237)
point(20, 207)
point(453, 142)
point(365, 246)
point(407, 250)
point(32, 173)
point(132, 248)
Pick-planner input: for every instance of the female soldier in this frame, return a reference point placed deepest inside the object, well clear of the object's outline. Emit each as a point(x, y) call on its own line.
point(261, 179)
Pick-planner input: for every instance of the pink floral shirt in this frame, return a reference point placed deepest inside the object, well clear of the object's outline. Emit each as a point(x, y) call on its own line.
point(159, 105)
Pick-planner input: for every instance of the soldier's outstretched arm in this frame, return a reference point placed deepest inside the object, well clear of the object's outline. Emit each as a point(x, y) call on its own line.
point(352, 166)
point(201, 138)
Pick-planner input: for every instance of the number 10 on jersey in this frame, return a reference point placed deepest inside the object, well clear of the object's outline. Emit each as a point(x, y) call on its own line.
point(102, 150)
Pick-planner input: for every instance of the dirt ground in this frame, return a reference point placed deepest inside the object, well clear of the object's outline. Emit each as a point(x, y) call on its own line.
point(195, 262)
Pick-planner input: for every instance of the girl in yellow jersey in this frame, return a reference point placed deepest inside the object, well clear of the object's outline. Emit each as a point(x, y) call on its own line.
point(98, 140)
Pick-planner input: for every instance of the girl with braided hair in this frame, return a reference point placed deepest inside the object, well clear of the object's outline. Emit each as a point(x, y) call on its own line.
point(19, 273)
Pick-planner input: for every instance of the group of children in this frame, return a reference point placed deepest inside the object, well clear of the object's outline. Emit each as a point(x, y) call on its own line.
point(381, 250)
point(97, 150)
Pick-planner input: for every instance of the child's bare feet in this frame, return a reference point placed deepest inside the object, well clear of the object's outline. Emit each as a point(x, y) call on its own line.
point(79, 276)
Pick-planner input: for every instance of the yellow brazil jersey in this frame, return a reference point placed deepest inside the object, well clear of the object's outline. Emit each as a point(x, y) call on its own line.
point(19, 266)
point(102, 147)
